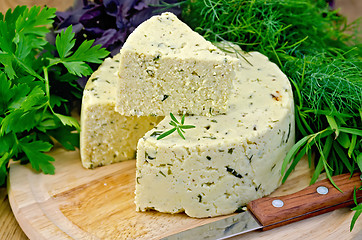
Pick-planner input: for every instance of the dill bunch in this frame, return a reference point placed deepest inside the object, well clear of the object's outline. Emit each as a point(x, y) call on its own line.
point(328, 85)
point(321, 55)
point(268, 26)
point(311, 44)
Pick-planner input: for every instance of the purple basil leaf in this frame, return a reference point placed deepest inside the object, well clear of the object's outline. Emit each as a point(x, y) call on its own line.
point(140, 6)
point(97, 17)
point(141, 16)
point(82, 81)
point(111, 6)
point(70, 17)
point(125, 7)
point(110, 37)
point(94, 31)
point(115, 49)
point(93, 12)
point(77, 27)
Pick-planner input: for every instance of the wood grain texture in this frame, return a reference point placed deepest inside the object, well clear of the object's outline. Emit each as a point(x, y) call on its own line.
point(9, 226)
point(78, 203)
point(307, 202)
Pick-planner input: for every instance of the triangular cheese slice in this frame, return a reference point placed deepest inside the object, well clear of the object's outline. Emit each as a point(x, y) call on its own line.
point(167, 67)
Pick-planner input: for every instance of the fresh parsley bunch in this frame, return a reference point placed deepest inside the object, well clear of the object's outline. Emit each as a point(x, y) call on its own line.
point(33, 75)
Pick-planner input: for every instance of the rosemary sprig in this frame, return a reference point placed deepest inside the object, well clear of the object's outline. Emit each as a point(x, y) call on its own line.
point(177, 126)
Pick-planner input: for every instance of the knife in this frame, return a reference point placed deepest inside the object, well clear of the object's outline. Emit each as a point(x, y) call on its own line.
point(271, 212)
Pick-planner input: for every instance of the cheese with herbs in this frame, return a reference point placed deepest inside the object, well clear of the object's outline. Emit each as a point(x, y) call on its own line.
point(107, 136)
point(227, 160)
point(167, 67)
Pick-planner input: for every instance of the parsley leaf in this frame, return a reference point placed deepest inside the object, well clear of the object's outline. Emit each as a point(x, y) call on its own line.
point(74, 62)
point(85, 51)
point(19, 93)
point(39, 161)
point(37, 87)
point(11, 122)
point(77, 68)
point(68, 121)
point(65, 42)
point(34, 20)
point(5, 93)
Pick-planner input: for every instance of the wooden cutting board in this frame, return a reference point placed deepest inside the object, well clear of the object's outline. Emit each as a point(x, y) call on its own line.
point(78, 203)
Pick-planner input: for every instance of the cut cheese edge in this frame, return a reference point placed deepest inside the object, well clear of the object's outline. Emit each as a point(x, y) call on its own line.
point(106, 136)
point(167, 67)
point(227, 160)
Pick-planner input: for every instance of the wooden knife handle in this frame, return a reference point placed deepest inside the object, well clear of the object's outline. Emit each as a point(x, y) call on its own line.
point(316, 199)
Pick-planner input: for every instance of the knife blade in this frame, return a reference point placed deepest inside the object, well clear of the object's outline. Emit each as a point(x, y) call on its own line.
point(271, 212)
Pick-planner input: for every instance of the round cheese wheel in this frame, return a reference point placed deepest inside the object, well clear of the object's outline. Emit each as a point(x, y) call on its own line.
point(226, 160)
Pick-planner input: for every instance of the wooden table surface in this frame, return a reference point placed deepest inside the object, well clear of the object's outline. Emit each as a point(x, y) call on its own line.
point(9, 227)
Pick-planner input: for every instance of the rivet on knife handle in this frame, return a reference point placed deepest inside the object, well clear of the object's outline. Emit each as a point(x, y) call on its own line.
point(316, 199)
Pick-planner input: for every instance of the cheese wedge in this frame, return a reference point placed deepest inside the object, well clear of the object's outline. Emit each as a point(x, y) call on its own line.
point(167, 67)
point(107, 136)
